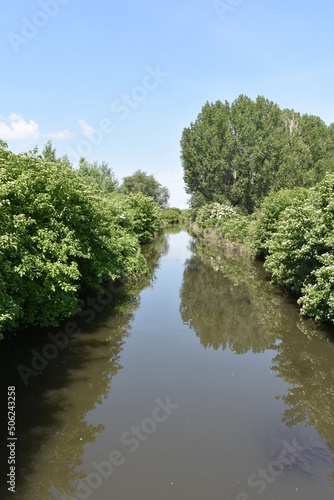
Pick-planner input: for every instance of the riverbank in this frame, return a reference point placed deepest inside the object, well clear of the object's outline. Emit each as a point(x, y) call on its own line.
point(292, 232)
point(213, 237)
point(62, 236)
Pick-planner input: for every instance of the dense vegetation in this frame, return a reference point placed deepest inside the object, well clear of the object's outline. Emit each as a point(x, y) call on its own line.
point(225, 219)
point(240, 152)
point(63, 232)
point(264, 177)
point(300, 250)
point(140, 182)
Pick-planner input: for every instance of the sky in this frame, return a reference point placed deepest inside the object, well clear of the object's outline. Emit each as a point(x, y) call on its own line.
point(119, 80)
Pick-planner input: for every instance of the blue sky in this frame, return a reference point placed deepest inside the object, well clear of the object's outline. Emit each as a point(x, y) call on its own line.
point(119, 81)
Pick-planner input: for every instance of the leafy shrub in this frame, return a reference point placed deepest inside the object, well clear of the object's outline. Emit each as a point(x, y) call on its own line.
point(236, 228)
point(58, 237)
point(187, 215)
point(265, 219)
point(172, 215)
point(138, 214)
point(209, 215)
point(318, 292)
point(231, 224)
point(301, 251)
point(295, 246)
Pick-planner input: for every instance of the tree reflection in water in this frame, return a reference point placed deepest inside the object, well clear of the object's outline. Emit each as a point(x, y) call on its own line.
point(229, 303)
point(52, 425)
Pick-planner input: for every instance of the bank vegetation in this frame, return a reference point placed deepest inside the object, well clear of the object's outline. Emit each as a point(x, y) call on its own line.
point(261, 179)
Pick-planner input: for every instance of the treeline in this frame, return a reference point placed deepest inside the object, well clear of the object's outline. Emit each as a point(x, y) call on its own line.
point(63, 232)
point(240, 152)
point(274, 196)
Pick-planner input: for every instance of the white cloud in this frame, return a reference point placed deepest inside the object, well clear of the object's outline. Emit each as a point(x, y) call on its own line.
point(63, 134)
point(15, 127)
point(86, 129)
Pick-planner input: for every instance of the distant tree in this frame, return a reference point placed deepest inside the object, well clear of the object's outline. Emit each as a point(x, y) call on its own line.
point(49, 153)
point(172, 215)
point(99, 175)
point(140, 182)
point(66, 161)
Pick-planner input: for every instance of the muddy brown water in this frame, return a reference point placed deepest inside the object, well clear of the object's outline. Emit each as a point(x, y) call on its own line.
point(200, 381)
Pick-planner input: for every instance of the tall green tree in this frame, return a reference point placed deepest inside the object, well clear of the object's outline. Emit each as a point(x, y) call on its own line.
point(140, 182)
point(207, 149)
point(259, 133)
point(240, 152)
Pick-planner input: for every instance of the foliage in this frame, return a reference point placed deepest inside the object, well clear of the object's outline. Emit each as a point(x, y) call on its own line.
point(49, 153)
point(100, 175)
point(60, 238)
point(301, 251)
point(172, 215)
point(231, 224)
point(197, 200)
point(236, 229)
point(265, 218)
point(293, 247)
point(206, 153)
point(243, 151)
point(211, 214)
point(187, 215)
point(137, 214)
point(318, 291)
point(140, 182)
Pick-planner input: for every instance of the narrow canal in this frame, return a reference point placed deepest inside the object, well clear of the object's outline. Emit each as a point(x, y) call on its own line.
point(202, 381)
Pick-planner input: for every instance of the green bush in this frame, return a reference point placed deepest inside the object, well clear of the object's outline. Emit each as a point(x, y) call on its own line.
point(265, 219)
point(59, 238)
point(295, 246)
point(318, 291)
point(187, 215)
point(210, 215)
point(301, 251)
point(294, 229)
point(226, 219)
point(138, 214)
point(317, 298)
point(236, 228)
point(172, 215)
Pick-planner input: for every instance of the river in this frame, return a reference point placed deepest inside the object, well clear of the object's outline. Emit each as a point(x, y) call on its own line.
point(201, 381)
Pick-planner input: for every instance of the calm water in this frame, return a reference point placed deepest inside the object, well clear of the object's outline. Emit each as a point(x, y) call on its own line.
point(201, 382)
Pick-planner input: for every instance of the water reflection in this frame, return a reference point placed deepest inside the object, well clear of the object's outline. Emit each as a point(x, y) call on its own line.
point(229, 303)
point(305, 361)
point(51, 410)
